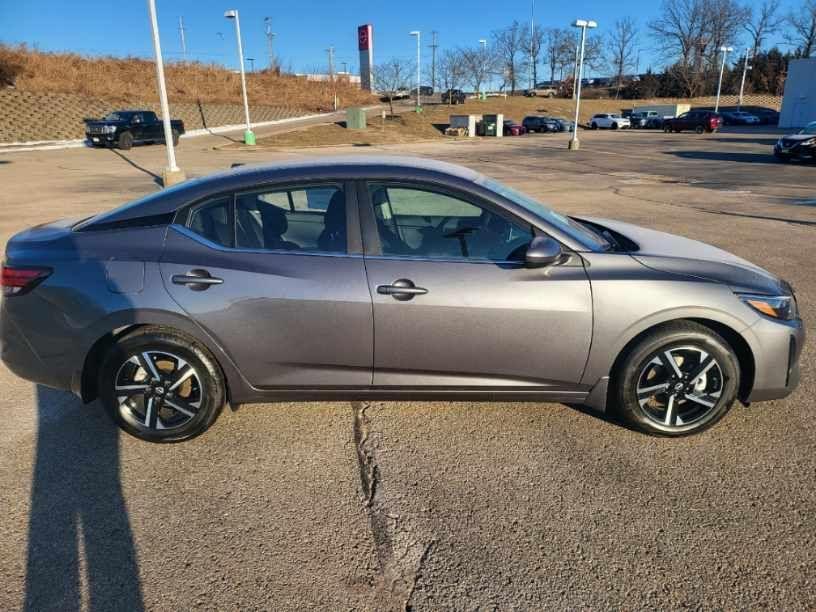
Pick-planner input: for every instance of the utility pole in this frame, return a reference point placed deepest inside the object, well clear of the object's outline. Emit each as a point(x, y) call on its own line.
point(418, 71)
point(532, 44)
point(183, 40)
point(330, 51)
point(171, 174)
point(251, 61)
point(345, 67)
point(434, 45)
point(745, 68)
point(482, 84)
point(270, 35)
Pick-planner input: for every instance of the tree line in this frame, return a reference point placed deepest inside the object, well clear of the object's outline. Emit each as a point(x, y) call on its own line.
point(687, 34)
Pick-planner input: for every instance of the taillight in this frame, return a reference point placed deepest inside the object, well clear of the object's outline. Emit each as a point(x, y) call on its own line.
point(17, 280)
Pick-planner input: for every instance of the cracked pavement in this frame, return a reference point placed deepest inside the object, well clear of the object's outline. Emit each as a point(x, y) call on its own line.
point(429, 505)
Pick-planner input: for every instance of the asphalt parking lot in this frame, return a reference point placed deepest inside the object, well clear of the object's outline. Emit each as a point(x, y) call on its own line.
point(429, 505)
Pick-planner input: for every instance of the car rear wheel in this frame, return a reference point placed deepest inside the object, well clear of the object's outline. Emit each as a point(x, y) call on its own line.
point(678, 380)
point(699, 129)
point(160, 386)
point(125, 141)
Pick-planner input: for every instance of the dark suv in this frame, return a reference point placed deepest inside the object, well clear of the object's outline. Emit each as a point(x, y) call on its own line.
point(453, 96)
point(535, 123)
point(699, 121)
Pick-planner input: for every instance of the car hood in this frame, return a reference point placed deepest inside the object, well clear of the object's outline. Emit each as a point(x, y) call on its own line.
point(104, 122)
point(799, 137)
point(678, 255)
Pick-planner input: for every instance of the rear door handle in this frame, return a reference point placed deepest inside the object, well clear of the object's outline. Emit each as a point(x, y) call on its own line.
point(401, 289)
point(197, 280)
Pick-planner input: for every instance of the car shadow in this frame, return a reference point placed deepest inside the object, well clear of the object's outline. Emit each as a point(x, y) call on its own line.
point(79, 519)
point(745, 158)
point(760, 141)
point(156, 178)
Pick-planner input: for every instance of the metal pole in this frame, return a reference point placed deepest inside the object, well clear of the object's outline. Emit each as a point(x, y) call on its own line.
point(331, 76)
point(575, 70)
point(172, 174)
point(574, 143)
point(532, 34)
point(744, 73)
point(269, 36)
point(483, 42)
point(419, 73)
point(434, 45)
point(722, 70)
point(249, 137)
point(183, 41)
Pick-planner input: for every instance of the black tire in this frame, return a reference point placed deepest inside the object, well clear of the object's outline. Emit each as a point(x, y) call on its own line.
point(699, 129)
point(175, 138)
point(615, 125)
point(667, 129)
point(125, 141)
point(182, 410)
point(594, 126)
point(638, 364)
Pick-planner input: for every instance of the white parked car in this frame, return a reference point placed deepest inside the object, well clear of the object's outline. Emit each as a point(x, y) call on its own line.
point(609, 120)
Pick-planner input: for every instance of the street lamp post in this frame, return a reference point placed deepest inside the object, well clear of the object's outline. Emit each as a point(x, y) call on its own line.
point(418, 74)
point(483, 42)
point(532, 44)
point(249, 136)
point(725, 52)
point(574, 143)
point(745, 68)
point(172, 174)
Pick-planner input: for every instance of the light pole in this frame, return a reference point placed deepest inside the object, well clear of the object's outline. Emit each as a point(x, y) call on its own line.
point(172, 174)
point(745, 68)
point(574, 144)
point(183, 38)
point(249, 137)
point(418, 98)
point(532, 44)
point(483, 42)
point(725, 52)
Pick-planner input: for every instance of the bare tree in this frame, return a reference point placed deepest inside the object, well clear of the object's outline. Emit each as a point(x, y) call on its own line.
point(508, 44)
point(534, 46)
point(558, 48)
point(621, 44)
point(451, 70)
point(802, 23)
point(763, 22)
point(391, 77)
point(477, 63)
point(690, 33)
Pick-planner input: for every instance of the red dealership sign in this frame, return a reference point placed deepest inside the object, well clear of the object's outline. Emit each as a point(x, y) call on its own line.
point(364, 37)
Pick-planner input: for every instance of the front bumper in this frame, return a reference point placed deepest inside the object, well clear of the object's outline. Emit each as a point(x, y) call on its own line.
point(100, 139)
point(795, 152)
point(777, 347)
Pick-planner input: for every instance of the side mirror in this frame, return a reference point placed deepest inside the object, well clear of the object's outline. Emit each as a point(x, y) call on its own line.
point(543, 251)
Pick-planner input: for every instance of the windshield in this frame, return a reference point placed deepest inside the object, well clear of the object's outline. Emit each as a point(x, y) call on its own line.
point(118, 116)
point(810, 129)
point(570, 227)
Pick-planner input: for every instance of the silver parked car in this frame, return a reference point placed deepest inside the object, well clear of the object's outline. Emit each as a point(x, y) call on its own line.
point(356, 277)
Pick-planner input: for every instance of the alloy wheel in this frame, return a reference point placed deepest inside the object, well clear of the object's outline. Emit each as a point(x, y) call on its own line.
point(157, 390)
point(678, 387)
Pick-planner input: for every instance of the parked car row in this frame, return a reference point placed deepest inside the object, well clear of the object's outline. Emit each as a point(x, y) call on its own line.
point(698, 121)
point(543, 123)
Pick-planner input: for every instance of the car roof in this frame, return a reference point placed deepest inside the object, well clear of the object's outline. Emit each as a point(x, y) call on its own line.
point(337, 167)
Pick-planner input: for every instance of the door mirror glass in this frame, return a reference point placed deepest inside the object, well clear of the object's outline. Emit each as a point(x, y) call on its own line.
point(543, 251)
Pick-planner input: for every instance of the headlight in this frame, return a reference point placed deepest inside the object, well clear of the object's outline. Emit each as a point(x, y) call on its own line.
point(778, 307)
point(809, 142)
point(109, 129)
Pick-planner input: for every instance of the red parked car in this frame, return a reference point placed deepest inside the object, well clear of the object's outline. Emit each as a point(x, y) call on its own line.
point(699, 121)
point(511, 128)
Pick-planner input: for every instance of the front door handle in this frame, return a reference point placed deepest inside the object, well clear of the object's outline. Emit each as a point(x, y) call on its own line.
point(197, 280)
point(402, 290)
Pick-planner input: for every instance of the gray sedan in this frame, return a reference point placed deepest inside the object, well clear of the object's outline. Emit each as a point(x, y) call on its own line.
point(357, 278)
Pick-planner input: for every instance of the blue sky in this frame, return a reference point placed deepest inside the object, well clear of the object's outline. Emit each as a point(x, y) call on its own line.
point(304, 29)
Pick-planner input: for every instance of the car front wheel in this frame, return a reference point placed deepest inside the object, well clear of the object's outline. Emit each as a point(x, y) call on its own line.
point(160, 386)
point(678, 380)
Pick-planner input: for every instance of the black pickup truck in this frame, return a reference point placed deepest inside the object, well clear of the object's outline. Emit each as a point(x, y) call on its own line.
point(125, 128)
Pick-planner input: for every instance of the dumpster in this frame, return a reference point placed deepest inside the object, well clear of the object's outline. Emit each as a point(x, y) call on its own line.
point(492, 125)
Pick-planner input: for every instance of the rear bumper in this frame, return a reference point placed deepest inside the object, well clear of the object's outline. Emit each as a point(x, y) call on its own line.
point(22, 359)
point(777, 347)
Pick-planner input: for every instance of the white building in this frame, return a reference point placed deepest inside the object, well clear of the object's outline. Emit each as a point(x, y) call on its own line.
point(799, 103)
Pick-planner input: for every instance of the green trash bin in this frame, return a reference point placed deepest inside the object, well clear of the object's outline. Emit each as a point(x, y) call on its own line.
point(355, 118)
point(490, 123)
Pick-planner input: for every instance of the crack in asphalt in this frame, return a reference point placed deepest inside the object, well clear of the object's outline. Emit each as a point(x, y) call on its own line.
point(403, 546)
